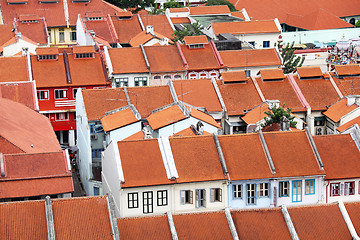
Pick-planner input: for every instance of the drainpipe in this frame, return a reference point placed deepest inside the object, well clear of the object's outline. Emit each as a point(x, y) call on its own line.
point(49, 219)
point(347, 219)
point(174, 235)
point(231, 224)
point(289, 223)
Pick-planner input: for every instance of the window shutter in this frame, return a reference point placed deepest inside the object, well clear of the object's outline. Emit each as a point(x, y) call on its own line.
point(182, 196)
point(212, 193)
point(204, 198)
point(257, 191)
point(197, 198)
point(191, 196)
point(64, 93)
point(45, 95)
point(220, 194)
point(341, 189)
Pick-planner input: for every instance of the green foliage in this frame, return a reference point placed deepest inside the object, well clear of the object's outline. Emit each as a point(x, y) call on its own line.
point(221, 2)
point(357, 24)
point(136, 5)
point(172, 4)
point(193, 29)
point(276, 113)
point(290, 60)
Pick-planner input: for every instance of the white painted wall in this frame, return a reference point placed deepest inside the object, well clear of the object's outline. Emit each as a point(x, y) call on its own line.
point(350, 116)
point(253, 70)
point(123, 132)
point(259, 38)
point(131, 77)
point(17, 47)
point(83, 38)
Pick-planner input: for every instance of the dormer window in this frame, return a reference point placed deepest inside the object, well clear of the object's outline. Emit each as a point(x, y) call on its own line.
point(47, 57)
point(80, 1)
point(48, 1)
point(84, 55)
point(269, 75)
point(94, 18)
point(16, 2)
point(196, 46)
point(29, 21)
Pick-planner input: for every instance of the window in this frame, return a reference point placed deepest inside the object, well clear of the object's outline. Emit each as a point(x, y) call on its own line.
point(157, 77)
point(252, 43)
point(203, 75)
point(237, 191)
point(196, 46)
point(186, 197)
point(121, 82)
point(133, 200)
point(213, 74)
point(319, 121)
point(349, 188)
point(96, 153)
point(73, 34)
point(162, 198)
point(75, 91)
point(251, 193)
point(61, 116)
point(96, 191)
point(148, 202)
point(43, 95)
point(284, 189)
point(200, 196)
point(310, 187)
point(167, 77)
point(193, 75)
point(177, 76)
point(335, 189)
point(84, 55)
point(49, 31)
point(47, 57)
point(264, 189)
point(215, 195)
point(296, 191)
point(61, 35)
point(140, 81)
point(60, 93)
point(248, 73)
point(266, 44)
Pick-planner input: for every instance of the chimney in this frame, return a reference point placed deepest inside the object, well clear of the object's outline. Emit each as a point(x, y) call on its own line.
point(164, 41)
point(150, 29)
point(284, 124)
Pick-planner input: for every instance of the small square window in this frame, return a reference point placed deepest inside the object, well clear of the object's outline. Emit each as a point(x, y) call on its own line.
point(284, 189)
point(266, 44)
point(60, 94)
point(133, 200)
point(43, 95)
point(264, 190)
point(162, 198)
point(335, 189)
point(200, 197)
point(237, 191)
point(186, 197)
point(215, 195)
point(310, 187)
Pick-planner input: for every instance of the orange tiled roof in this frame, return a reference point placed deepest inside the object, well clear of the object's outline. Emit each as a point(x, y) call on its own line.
point(198, 93)
point(302, 161)
point(99, 101)
point(354, 213)
point(251, 57)
point(127, 28)
point(136, 136)
point(26, 129)
point(23, 219)
point(156, 227)
point(318, 92)
point(203, 117)
point(118, 119)
point(13, 69)
point(196, 159)
point(200, 58)
point(175, 10)
point(244, 160)
point(234, 76)
point(351, 69)
point(164, 59)
point(348, 85)
point(339, 109)
point(209, 10)
point(187, 132)
point(211, 225)
point(127, 60)
point(36, 31)
point(160, 23)
point(333, 150)
point(101, 29)
point(239, 97)
point(83, 49)
point(250, 224)
point(349, 124)
point(166, 117)
point(309, 222)
point(6, 33)
point(177, 20)
point(202, 39)
point(272, 74)
point(255, 115)
point(70, 214)
point(47, 51)
point(142, 38)
point(307, 72)
point(238, 15)
point(144, 169)
point(245, 27)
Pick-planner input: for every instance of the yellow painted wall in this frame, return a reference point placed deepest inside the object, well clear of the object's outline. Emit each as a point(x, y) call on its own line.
point(55, 36)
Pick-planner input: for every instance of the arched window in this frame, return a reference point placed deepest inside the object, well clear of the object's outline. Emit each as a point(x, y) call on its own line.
point(213, 74)
point(352, 21)
point(167, 77)
point(157, 77)
point(203, 74)
point(177, 76)
point(193, 75)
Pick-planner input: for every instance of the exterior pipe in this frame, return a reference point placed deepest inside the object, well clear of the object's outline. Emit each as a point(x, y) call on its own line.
point(348, 222)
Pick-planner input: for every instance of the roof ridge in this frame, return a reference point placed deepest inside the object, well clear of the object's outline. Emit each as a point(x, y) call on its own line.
point(20, 154)
point(83, 198)
point(11, 144)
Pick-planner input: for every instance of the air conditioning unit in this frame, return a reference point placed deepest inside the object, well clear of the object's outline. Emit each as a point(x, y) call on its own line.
point(319, 131)
point(93, 136)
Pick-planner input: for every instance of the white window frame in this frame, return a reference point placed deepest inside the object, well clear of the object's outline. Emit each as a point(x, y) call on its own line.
point(139, 81)
point(65, 116)
point(251, 189)
point(189, 199)
point(215, 195)
point(203, 73)
point(264, 189)
point(193, 75)
point(46, 95)
point(64, 93)
point(121, 81)
point(237, 191)
point(200, 201)
point(133, 200)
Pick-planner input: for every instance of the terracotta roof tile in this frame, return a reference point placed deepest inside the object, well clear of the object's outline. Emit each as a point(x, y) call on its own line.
point(187, 132)
point(47, 51)
point(200, 58)
point(166, 117)
point(238, 14)
point(239, 97)
point(150, 169)
point(177, 20)
point(212, 225)
point(234, 76)
point(302, 161)
point(13, 69)
point(276, 127)
point(147, 99)
point(203, 117)
point(251, 57)
point(250, 224)
point(6, 33)
point(136, 136)
point(353, 210)
point(127, 28)
point(160, 23)
point(272, 74)
point(83, 49)
point(202, 39)
point(7, 147)
point(101, 29)
point(175, 10)
point(164, 59)
point(26, 129)
point(156, 228)
point(245, 27)
point(209, 10)
point(309, 222)
point(21, 92)
point(35, 30)
point(196, 159)
point(351, 69)
point(245, 157)
point(318, 92)
point(255, 115)
point(23, 219)
point(308, 72)
point(339, 109)
point(198, 93)
point(127, 60)
point(282, 91)
point(142, 38)
point(99, 101)
point(70, 214)
point(348, 85)
point(333, 150)
point(349, 124)
point(118, 119)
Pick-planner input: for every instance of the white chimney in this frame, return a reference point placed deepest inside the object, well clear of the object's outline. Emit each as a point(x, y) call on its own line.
point(164, 41)
point(150, 29)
